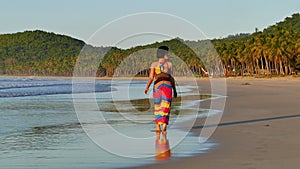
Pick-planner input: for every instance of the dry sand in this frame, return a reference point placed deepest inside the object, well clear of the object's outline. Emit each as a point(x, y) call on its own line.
point(260, 127)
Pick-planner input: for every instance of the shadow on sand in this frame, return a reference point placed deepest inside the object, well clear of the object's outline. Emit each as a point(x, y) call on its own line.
point(246, 121)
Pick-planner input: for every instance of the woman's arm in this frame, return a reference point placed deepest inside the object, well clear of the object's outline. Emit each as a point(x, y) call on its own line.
point(170, 66)
point(150, 79)
point(173, 86)
point(172, 79)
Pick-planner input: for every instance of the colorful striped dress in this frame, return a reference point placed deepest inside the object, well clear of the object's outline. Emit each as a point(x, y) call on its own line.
point(162, 94)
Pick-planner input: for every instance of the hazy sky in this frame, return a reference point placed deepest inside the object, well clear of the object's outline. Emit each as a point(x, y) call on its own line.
point(81, 18)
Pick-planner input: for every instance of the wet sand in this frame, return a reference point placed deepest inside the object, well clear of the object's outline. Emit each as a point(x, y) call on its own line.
point(259, 128)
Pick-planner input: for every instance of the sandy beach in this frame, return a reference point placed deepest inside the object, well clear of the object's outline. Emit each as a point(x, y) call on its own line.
point(259, 128)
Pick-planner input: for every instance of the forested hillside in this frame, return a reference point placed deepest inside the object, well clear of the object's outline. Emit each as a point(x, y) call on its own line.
point(272, 51)
point(38, 53)
point(275, 50)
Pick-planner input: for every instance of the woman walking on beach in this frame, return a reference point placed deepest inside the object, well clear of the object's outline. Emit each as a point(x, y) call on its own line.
point(160, 72)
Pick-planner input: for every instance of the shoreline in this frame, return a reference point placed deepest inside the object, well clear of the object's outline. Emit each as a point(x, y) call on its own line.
point(290, 77)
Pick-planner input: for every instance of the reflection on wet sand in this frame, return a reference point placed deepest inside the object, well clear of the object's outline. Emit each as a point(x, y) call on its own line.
point(162, 147)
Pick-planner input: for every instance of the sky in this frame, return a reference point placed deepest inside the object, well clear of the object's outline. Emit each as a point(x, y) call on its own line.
point(82, 18)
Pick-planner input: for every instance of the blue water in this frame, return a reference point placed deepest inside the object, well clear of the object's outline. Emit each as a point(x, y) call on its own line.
point(39, 127)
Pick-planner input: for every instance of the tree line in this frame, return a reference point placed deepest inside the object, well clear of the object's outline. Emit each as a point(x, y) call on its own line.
point(272, 51)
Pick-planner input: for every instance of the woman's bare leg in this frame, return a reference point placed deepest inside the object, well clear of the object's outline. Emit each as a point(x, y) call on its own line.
point(164, 127)
point(157, 128)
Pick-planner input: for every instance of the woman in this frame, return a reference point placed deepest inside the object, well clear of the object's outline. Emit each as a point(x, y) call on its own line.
point(160, 72)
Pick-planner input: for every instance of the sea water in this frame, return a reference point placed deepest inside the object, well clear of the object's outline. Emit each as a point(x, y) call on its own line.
point(39, 127)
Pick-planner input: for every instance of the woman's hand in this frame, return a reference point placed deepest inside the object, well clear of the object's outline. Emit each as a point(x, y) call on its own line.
point(146, 91)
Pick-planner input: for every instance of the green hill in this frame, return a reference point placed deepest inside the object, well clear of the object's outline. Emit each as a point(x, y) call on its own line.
point(38, 53)
point(291, 24)
point(273, 51)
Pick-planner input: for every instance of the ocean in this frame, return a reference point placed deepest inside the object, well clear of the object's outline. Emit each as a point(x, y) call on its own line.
point(45, 123)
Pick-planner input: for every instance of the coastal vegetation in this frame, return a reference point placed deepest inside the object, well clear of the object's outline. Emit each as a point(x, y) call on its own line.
point(272, 51)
